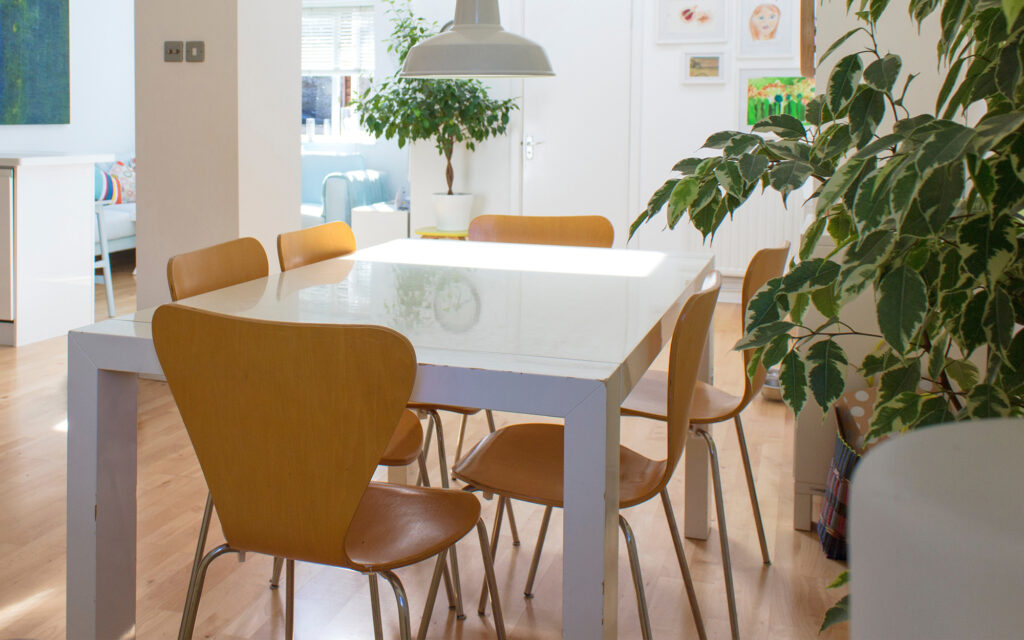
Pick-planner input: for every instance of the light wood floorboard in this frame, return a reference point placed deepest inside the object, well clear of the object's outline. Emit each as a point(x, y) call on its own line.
point(785, 600)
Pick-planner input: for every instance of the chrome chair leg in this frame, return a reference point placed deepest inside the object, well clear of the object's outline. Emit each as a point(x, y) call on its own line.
point(492, 582)
point(460, 613)
point(289, 600)
point(195, 592)
point(424, 479)
point(752, 490)
point(442, 455)
point(498, 513)
point(528, 592)
point(275, 575)
point(204, 530)
point(684, 567)
point(378, 626)
point(428, 608)
point(448, 589)
point(462, 438)
point(430, 431)
point(401, 600)
point(723, 535)
point(512, 523)
point(638, 579)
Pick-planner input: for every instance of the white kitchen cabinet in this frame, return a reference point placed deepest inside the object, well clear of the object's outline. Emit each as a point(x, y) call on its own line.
point(46, 245)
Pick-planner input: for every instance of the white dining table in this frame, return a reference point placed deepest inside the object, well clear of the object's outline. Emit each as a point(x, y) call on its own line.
point(551, 331)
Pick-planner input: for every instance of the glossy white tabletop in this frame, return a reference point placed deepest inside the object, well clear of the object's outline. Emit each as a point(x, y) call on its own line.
point(467, 303)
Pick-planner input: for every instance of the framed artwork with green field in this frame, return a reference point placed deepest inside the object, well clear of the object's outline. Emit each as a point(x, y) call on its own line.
point(766, 92)
point(34, 65)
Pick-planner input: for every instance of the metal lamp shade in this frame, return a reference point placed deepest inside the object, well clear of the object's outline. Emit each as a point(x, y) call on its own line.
point(476, 47)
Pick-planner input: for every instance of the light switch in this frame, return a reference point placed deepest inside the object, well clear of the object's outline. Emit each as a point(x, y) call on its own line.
point(173, 51)
point(195, 51)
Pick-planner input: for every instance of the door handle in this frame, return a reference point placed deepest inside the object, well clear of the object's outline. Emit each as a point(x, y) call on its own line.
point(528, 146)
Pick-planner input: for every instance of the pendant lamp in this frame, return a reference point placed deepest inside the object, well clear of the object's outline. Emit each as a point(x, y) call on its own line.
point(476, 47)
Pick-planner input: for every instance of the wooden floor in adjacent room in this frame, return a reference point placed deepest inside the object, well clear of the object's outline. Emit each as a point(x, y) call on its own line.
point(784, 600)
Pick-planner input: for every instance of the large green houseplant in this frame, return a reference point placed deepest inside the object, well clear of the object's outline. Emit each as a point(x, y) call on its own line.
point(449, 112)
point(925, 212)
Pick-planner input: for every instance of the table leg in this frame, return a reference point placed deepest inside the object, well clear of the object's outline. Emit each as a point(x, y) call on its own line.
point(590, 538)
point(696, 522)
point(102, 468)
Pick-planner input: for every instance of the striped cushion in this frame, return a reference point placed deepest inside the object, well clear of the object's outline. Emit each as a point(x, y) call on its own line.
point(108, 187)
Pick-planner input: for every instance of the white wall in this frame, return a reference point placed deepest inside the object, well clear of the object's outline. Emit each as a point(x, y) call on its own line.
point(102, 86)
point(216, 140)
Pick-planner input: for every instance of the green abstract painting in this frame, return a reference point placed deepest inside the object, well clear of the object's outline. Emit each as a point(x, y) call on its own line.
point(34, 85)
point(774, 95)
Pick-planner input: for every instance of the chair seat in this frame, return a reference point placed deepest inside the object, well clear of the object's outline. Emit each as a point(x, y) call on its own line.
point(406, 443)
point(395, 526)
point(525, 462)
point(710, 404)
point(466, 411)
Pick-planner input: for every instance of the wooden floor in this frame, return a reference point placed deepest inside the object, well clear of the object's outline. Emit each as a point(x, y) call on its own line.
point(785, 600)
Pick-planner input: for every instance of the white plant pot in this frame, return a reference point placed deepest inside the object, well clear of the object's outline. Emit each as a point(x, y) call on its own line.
point(453, 211)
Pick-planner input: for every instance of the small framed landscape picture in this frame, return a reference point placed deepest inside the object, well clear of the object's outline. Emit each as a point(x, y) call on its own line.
point(768, 28)
point(685, 21)
point(766, 92)
point(703, 68)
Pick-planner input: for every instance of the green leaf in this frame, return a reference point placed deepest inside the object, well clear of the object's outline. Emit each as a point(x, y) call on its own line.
point(1007, 75)
point(941, 193)
point(871, 202)
point(861, 264)
point(841, 228)
point(682, 196)
point(963, 373)
point(987, 401)
point(873, 363)
point(999, 319)
point(838, 43)
point(951, 77)
point(875, 147)
point(741, 144)
point(970, 322)
point(817, 111)
point(987, 245)
point(764, 307)
point(993, 129)
point(900, 379)
point(775, 351)
point(810, 275)
point(720, 139)
point(660, 197)
point(839, 612)
point(793, 381)
point(828, 372)
point(763, 334)
point(688, 166)
point(752, 166)
point(728, 175)
point(841, 579)
point(943, 147)
point(832, 144)
point(809, 241)
point(934, 410)
point(825, 302)
point(843, 81)
point(840, 181)
point(788, 176)
point(783, 125)
point(798, 306)
point(882, 73)
point(1012, 9)
point(896, 415)
point(902, 301)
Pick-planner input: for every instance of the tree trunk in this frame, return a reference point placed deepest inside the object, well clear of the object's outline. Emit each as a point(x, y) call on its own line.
point(449, 173)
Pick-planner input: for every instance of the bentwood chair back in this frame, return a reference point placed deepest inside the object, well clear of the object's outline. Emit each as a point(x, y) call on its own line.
point(216, 267)
point(243, 386)
point(322, 242)
point(577, 231)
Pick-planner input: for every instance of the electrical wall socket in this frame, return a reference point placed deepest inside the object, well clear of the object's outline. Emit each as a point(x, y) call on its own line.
point(174, 51)
point(195, 51)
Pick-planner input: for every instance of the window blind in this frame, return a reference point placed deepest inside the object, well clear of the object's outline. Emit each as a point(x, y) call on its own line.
point(337, 40)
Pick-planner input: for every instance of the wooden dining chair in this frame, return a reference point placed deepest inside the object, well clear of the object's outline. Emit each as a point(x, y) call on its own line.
point(247, 388)
point(712, 405)
point(211, 268)
point(573, 231)
point(325, 241)
point(524, 461)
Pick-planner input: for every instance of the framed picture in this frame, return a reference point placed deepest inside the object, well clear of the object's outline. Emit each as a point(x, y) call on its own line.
point(703, 67)
point(765, 92)
point(685, 21)
point(34, 62)
point(768, 28)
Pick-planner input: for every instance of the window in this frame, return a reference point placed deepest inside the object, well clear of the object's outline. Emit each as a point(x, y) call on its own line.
point(337, 62)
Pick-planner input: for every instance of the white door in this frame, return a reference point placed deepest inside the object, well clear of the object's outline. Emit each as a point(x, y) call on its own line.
point(576, 126)
point(6, 245)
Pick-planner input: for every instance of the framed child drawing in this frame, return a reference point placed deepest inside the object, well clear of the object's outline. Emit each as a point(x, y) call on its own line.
point(767, 92)
point(685, 21)
point(768, 28)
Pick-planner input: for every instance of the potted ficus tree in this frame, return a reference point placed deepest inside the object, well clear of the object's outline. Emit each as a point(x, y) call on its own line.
point(452, 113)
point(924, 215)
